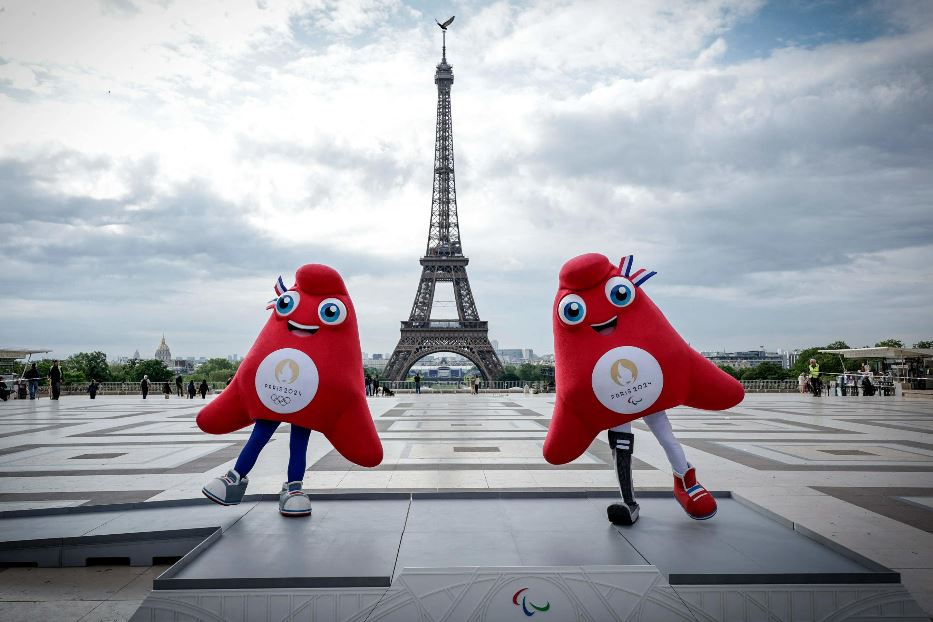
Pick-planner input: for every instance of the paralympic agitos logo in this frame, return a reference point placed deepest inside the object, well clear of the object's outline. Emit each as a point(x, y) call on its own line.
point(526, 602)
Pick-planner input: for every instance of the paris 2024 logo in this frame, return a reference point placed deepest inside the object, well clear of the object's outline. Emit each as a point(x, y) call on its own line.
point(627, 380)
point(286, 380)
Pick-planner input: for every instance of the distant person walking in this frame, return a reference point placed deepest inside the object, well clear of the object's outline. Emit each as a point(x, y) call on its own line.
point(4, 391)
point(369, 385)
point(92, 388)
point(191, 390)
point(55, 380)
point(32, 379)
point(178, 385)
point(203, 389)
point(144, 385)
point(802, 383)
point(166, 389)
point(476, 386)
point(417, 383)
point(815, 382)
point(375, 386)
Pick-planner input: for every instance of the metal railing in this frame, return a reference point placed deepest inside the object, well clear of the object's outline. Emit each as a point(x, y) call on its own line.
point(771, 386)
point(115, 388)
point(486, 387)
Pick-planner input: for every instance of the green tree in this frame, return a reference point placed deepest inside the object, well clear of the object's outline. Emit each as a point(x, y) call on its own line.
point(829, 363)
point(509, 373)
point(214, 370)
point(89, 365)
point(890, 343)
point(924, 344)
point(529, 372)
point(766, 371)
point(837, 345)
point(732, 371)
point(154, 368)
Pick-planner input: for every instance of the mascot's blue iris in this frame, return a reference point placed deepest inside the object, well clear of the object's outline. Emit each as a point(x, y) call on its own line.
point(332, 311)
point(620, 291)
point(286, 303)
point(571, 309)
point(620, 295)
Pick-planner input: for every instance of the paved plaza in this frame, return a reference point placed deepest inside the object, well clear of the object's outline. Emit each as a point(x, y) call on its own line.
point(854, 471)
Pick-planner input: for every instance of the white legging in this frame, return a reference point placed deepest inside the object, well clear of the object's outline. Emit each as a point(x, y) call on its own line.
point(660, 426)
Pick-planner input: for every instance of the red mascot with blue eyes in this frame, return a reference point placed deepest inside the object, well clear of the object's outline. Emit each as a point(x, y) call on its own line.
point(305, 369)
point(618, 359)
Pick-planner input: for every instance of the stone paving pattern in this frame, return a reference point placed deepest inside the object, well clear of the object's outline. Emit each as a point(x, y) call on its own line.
point(858, 471)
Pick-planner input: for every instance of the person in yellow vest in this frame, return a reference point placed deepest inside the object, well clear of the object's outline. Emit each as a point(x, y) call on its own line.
point(815, 383)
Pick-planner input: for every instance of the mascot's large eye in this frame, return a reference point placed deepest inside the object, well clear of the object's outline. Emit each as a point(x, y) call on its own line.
point(571, 309)
point(620, 291)
point(287, 302)
point(332, 311)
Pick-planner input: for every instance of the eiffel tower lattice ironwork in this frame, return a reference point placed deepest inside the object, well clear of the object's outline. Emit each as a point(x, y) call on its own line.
point(444, 262)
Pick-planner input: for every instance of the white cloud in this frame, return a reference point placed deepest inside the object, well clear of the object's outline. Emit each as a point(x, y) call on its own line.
point(231, 139)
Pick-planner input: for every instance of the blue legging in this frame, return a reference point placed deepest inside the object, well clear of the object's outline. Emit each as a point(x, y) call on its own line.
point(262, 432)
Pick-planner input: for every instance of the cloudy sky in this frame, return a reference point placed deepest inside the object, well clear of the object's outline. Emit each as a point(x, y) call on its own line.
point(162, 162)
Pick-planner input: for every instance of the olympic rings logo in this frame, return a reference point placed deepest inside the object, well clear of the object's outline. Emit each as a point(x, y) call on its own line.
point(281, 400)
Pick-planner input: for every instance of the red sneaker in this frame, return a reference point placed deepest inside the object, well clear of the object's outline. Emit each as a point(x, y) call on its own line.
point(696, 501)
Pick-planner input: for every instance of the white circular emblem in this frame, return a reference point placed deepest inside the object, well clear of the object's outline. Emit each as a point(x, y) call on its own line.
point(286, 380)
point(627, 380)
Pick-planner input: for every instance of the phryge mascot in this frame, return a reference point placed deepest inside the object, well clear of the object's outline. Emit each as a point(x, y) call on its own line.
point(305, 369)
point(618, 359)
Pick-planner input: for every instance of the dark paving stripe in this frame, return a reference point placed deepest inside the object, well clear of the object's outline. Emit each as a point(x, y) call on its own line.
point(761, 463)
point(884, 501)
point(892, 426)
point(97, 497)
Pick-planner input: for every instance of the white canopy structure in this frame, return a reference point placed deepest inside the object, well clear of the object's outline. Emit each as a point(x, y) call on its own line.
point(899, 354)
point(19, 353)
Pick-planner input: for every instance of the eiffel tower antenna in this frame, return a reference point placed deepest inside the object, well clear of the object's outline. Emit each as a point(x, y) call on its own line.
point(444, 262)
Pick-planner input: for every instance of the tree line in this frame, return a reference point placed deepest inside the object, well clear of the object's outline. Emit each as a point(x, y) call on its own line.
point(829, 363)
point(84, 366)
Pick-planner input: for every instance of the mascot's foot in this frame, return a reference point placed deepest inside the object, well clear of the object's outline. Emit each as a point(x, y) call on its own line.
point(226, 490)
point(293, 502)
point(623, 513)
point(696, 501)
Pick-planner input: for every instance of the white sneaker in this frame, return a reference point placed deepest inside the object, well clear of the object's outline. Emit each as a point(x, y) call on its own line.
point(292, 501)
point(226, 490)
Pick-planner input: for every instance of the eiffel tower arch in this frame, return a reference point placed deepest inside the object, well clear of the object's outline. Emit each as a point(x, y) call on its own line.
point(444, 262)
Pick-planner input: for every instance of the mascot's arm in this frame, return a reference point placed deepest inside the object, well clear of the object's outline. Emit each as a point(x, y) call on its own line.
point(711, 388)
point(568, 436)
point(225, 413)
point(353, 434)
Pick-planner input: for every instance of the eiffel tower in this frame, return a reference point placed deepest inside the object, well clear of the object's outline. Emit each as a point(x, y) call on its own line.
point(444, 262)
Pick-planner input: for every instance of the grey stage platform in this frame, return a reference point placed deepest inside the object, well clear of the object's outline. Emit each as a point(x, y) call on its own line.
point(397, 556)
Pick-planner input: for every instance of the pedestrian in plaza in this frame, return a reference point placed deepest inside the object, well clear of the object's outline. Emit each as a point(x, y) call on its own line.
point(375, 386)
point(868, 387)
point(92, 388)
point(476, 386)
point(166, 389)
point(369, 385)
point(178, 385)
point(55, 380)
point(32, 379)
point(191, 390)
point(144, 385)
point(815, 382)
point(802, 382)
point(203, 389)
point(417, 383)
point(4, 391)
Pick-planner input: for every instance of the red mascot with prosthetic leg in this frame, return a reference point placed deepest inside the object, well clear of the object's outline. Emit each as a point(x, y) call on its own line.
point(618, 359)
point(305, 369)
